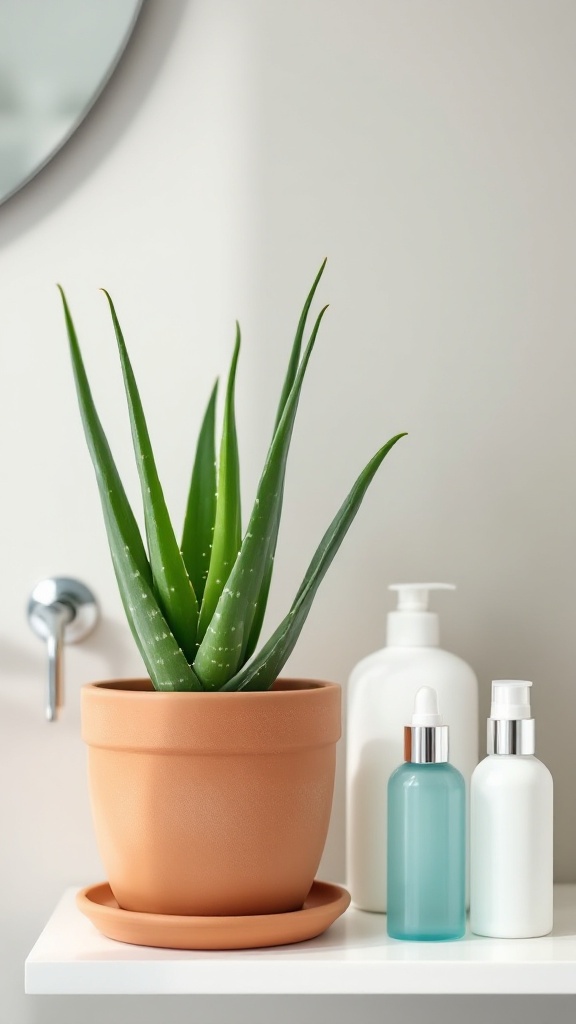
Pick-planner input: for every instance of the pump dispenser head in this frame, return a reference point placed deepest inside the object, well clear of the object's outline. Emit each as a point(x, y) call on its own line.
point(426, 740)
point(511, 728)
point(412, 624)
point(510, 699)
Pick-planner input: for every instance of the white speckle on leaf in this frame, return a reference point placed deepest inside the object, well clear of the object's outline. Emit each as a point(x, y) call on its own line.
point(237, 593)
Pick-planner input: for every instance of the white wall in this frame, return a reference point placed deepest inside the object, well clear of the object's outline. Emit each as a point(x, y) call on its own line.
point(428, 149)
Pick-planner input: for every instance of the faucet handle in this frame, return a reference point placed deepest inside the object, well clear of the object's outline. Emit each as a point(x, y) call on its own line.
point(61, 610)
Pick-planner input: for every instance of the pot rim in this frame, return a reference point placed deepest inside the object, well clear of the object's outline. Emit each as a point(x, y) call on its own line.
point(282, 688)
point(299, 713)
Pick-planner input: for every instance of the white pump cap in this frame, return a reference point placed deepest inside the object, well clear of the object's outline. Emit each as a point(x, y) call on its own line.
point(510, 699)
point(412, 625)
point(511, 728)
point(426, 740)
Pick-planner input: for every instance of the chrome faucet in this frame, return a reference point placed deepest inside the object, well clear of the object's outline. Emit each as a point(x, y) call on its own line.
point(61, 610)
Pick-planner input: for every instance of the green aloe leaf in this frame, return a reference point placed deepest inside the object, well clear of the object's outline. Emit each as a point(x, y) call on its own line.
point(223, 649)
point(297, 348)
point(227, 524)
point(112, 493)
point(164, 661)
point(201, 506)
point(172, 584)
point(261, 672)
point(286, 389)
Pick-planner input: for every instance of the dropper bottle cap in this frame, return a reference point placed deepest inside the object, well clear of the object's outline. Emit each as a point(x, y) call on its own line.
point(426, 740)
point(511, 728)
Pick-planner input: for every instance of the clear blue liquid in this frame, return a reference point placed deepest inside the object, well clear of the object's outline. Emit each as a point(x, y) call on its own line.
point(426, 852)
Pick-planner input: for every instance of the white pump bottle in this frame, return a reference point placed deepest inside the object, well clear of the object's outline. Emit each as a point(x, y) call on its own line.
point(381, 693)
point(511, 869)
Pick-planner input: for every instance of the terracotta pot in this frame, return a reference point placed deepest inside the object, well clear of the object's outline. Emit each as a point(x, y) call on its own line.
point(211, 803)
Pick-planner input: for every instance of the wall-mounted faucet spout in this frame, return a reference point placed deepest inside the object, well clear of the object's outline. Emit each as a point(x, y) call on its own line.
point(60, 611)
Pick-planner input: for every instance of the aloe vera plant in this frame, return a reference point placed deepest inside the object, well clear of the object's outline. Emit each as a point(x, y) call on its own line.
point(196, 608)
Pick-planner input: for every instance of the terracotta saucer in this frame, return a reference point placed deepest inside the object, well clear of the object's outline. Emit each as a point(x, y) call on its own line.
point(324, 903)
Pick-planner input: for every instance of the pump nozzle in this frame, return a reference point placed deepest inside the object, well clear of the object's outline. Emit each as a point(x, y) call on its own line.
point(510, 699)
point(411, 624)
point(413, 597)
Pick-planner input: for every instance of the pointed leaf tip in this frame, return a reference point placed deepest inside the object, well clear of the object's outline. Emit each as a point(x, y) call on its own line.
point(201, 504)
point(227, 533)
point(175, 592)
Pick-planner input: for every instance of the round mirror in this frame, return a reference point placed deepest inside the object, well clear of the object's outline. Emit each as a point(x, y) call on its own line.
point(55, 59)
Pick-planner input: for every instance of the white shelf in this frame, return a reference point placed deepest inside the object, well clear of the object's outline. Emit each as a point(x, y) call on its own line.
point(354, 956)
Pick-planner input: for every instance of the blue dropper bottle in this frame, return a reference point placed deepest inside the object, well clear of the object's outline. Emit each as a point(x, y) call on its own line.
point(426, 833)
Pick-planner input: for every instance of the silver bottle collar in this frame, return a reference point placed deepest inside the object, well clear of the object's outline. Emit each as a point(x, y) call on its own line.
point(426, 744)
point(517, 736)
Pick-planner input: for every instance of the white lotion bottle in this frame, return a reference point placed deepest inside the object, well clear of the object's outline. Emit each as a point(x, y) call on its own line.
point(381, 693)
point(511, 841)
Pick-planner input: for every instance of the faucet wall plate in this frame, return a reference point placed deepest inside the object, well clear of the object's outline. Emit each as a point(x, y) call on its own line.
point(61, 610)
point(72, 594)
